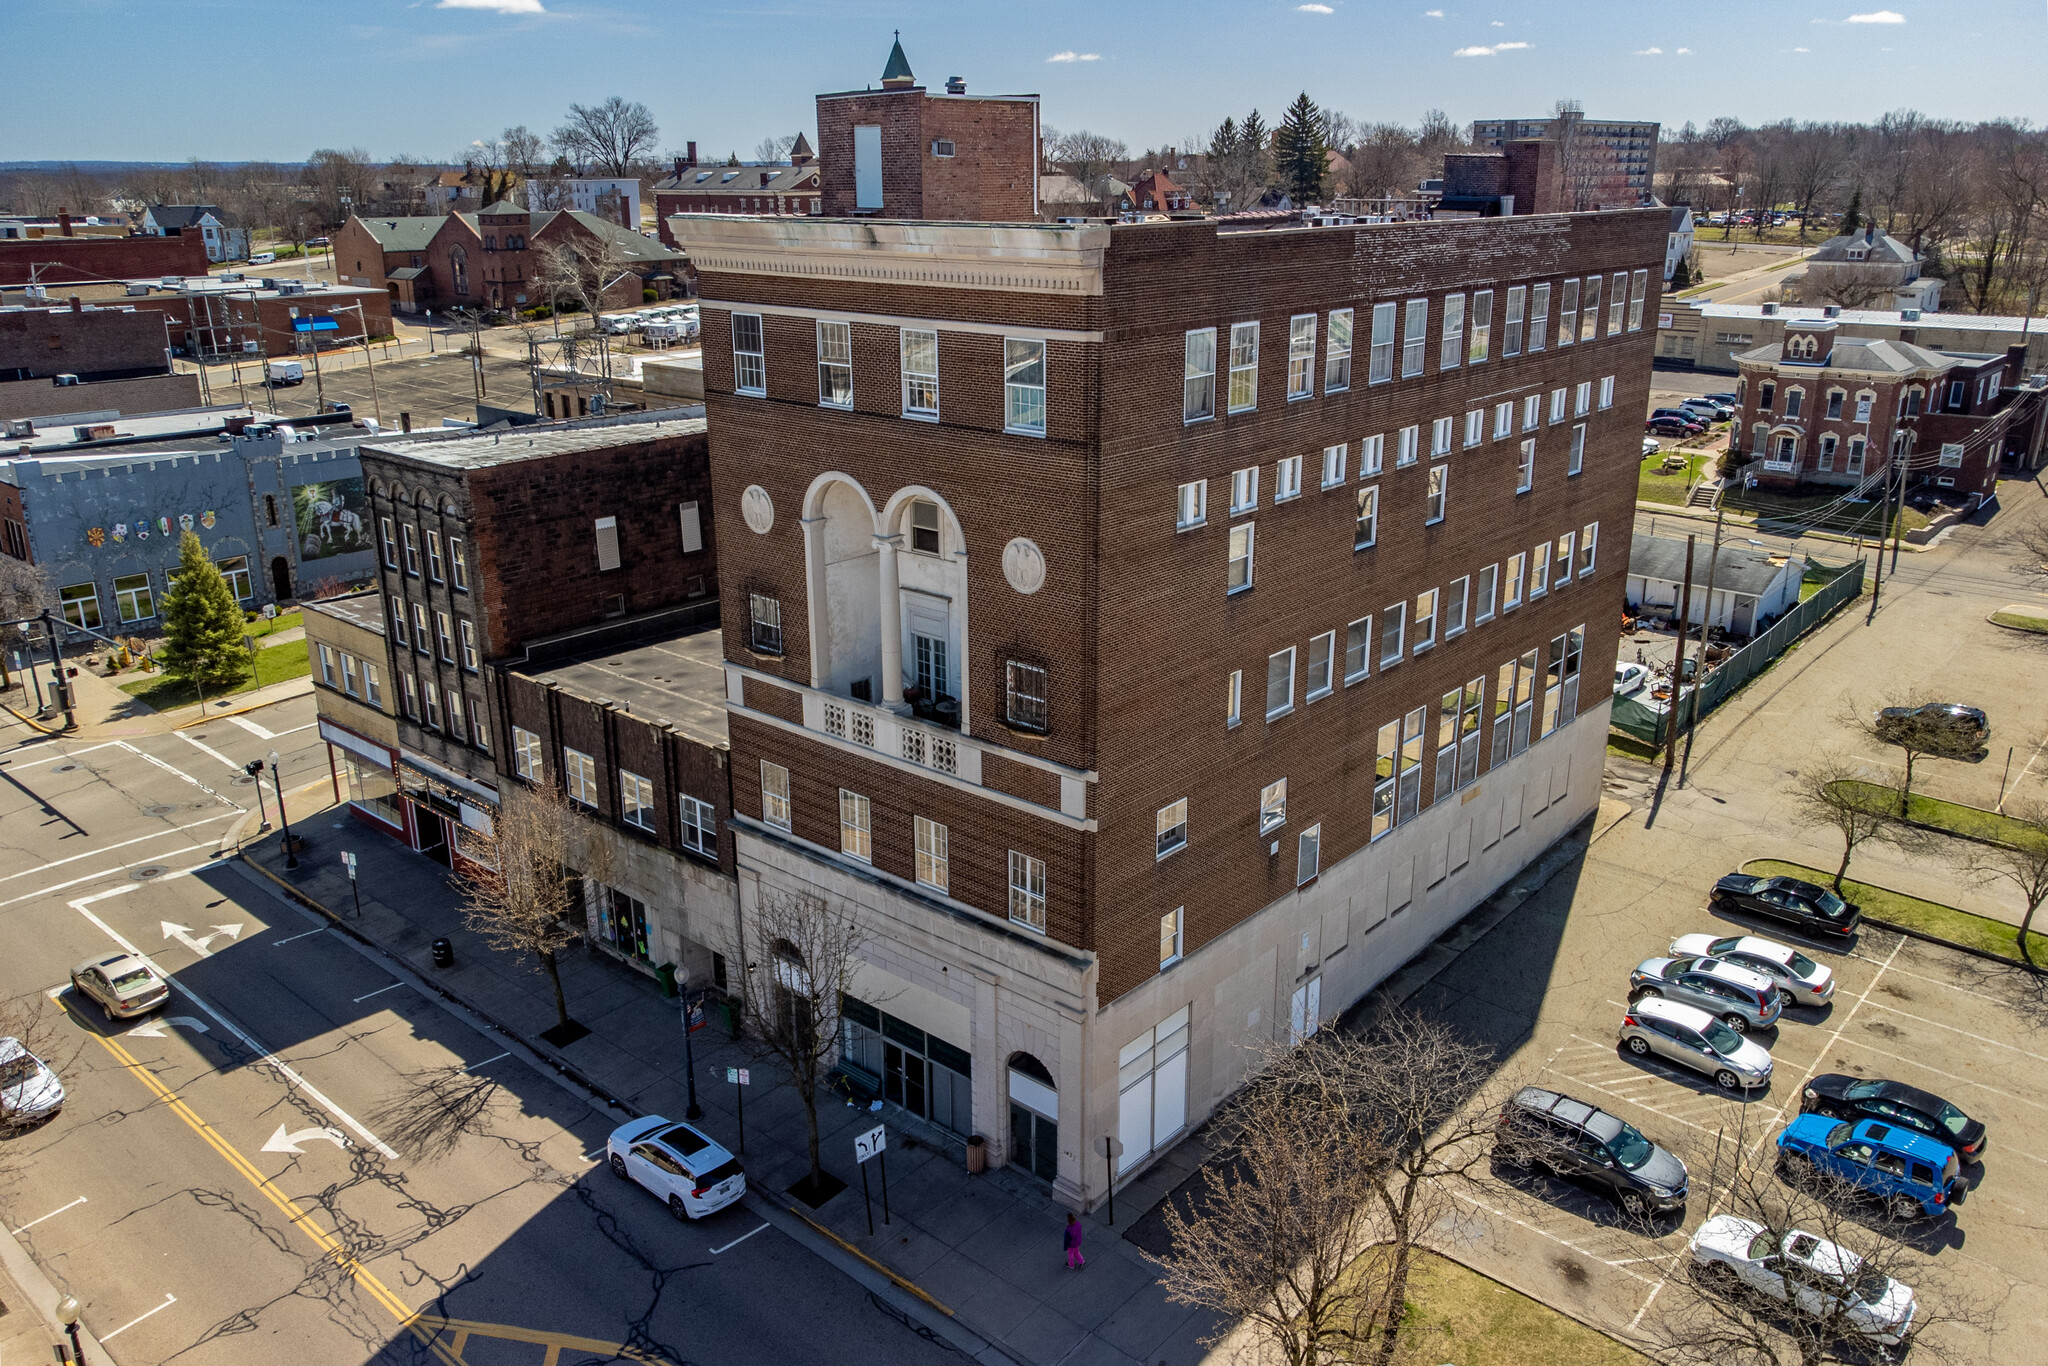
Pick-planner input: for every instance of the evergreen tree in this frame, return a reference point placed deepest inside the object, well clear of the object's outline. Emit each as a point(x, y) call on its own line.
point(1304, 148)
point(1254, 159)
point(1853, 219)
point(202, 623)
point(1681, 275)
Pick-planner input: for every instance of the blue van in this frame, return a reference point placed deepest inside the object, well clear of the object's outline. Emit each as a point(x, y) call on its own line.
point(1913, 1175)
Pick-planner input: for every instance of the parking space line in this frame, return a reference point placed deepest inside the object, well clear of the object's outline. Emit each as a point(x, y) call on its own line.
point(169, 1300)
point(51, 1215)
point(1546, 1233)
point(1834, 1039)
point(1980, 1038)
point(280, 943)
point(736, 1242)
point(1945, 986)
point(487, 1061)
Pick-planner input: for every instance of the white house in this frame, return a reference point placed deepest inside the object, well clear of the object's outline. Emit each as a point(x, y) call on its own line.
point(1678, 241)
point(1748, 585)
point(590, 193)
point(224, 242)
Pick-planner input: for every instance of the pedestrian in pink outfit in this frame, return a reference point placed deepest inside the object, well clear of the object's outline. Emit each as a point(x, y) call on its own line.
point(1075, 1261)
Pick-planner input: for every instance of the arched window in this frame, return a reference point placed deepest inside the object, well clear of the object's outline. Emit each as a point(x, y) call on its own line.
point(1034, 1117)
point(458, 265)
point(270, 509)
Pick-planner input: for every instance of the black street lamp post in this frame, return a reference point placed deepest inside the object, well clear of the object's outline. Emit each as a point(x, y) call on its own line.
point(254, 768)
point(291, 855)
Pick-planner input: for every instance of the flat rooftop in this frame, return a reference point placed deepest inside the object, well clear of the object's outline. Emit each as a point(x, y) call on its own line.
point(678, 676)
point(481, 450)
point(364, 609)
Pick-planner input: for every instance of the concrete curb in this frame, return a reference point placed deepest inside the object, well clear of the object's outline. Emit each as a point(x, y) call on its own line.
point(43, 1296)
point(1533, 1297)
point(31, 722)
point(243, 711)
point(1926, 938)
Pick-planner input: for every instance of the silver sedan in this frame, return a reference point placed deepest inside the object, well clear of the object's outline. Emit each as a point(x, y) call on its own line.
point(124, 985)
point(1803, 981)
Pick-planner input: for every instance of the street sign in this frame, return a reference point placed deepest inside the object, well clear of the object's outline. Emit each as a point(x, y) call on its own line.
point(349, 861)
point(738, 1076)
point(1109, 1146)
point(871, 1143)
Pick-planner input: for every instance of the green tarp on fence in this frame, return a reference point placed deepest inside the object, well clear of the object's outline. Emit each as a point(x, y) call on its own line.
point(1646, 723)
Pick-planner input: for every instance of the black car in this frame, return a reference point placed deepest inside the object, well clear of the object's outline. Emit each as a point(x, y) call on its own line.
point(1541, 1130)
point(1812, 908)
point(1937, 727)
point(1674, 426)
point(1854, 1098)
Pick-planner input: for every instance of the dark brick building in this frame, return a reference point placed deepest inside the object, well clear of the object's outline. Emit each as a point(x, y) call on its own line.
point(991, 610)
point(75, 260)
point(94, 343)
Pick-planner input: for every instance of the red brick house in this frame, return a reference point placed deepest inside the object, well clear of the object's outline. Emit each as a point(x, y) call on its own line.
point(1155, 192)
point(487, 259)
point(791, 189)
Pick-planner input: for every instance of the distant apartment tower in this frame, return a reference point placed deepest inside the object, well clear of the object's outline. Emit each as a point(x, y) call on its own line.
point(906, 152)
point(1605, 164)
point(1340, 632)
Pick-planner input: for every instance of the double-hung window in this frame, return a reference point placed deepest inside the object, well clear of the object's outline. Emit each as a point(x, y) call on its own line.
point(1368, 526)
point(1372, 454)
point(1024, 695)
point(1382, 358)
point(1489, 585)
point(470, 658)
point(775, 795)
point(330, 670)
point(766, 615)
point(1024, 386)
point(1539, 316)
point(1453, 349)
point(700, 826)
point(1280, 683)
point(1409, 446)
point(434, 563)
point(1440, 435)
point(1479, 328)
point(1333, 465)
point(1198, 368)
point(1539, 570)
point(1308, 856)
point(579, 772)
point(1233, 701)
point(412, 696)
point(1455, 598)
point(1170, 829)
point(1357, 650)
point(1577, 461)
point(1511, 325)
point(420, 640)
point(1240, 558)
point(933, 865)
point(398, 632)
point(390, 539)
point(1639, 290)
point(1503, 420)
point(749, 362)
point(133, 599)
point(1385, 776)
point(1027, 891)
point(1414, 338)
point(1272, 806)
point(1287, 479)
point(1532, 412)
point(1525, 468)
point(856, 826)
point(412, 549)
point(1582, 398)
point(1425, 620)
point(1244, 367)
point(458, 560)
point(1559, 398)
point(1561, 568)
point(1244, 490)
point(1171, 927)
point(636, 800)
point(1475, 426)
point(1606, 392)
point(1301, 355)
point(1588, 539)
point(1321, 665)
point(1568, 313)
point(1439, 487)
point(1191, 505)
point(526, 754)
point(1393, 634)
point(1337, 353)
point(1617, 302)
point(920, 350)
point(349, 682)
point(1511, 596)
point(1589, 315)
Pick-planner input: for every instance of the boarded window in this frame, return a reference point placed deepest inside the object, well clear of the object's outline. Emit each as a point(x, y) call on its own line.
point(693, 529)
point(607, 543)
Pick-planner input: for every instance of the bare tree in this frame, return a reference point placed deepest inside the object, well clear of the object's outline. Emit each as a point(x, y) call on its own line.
point(1814, 161)
point(542, 178)
point(584, 265)
point(608, 138)
point(1830, 793)
point(774, 148)
point(1091, 159)
point(523, 890)
point(1385, 159)
point(340, 179)
point(1904, 721)
point(2021, 864)
point(800, 954)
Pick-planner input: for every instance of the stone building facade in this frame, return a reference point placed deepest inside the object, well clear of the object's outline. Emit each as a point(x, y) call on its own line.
point(990, 611)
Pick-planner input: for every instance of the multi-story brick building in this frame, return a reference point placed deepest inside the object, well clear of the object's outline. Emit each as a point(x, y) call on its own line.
point(69, 259)
point(757, 189)
point(1823, 409)
point(491, 258)
point(488, 546)
point(1605, 164)
point(990, 610)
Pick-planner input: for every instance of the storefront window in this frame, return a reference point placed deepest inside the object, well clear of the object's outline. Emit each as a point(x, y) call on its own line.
point(909, 1066)
point(372, 788)
point(621, 920)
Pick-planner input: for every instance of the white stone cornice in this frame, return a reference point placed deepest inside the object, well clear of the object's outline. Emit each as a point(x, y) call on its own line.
point(1035, 258)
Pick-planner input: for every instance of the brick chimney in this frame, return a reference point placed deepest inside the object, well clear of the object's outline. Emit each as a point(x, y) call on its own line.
point(679, 168)
point(64, 222)
point(77, 304)
point(690, 154)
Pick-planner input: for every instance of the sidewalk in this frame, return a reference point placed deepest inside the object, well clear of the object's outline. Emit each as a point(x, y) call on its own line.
point(988, 1247)
point(29, 1329)
point(105, 712)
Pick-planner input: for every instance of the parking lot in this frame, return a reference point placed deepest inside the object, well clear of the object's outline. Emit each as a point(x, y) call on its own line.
point(1549, 989)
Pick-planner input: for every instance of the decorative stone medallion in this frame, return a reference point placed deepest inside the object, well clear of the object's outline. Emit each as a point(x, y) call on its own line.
point(1024, 565)
point(758, 509)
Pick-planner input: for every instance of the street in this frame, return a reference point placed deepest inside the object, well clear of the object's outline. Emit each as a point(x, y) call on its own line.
point(307, 1149)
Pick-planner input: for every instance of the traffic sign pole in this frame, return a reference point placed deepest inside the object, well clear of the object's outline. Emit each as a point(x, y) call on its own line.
point(740, 1081)
point(865, 1199)
point(885, 1190)
point(353, 885)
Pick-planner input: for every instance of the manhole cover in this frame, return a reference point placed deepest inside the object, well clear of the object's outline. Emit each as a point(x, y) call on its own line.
point(159, 810)
point(154, 870)
point(65, 768)
point(245, 780)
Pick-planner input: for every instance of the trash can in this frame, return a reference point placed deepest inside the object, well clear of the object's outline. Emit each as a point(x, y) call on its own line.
point(729, 1016)
point(977, 1155)
point(444, 953)
point(666, 975)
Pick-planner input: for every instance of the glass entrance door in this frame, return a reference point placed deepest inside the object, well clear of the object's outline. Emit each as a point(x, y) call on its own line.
point(903, 1079)
point(1034, 1143)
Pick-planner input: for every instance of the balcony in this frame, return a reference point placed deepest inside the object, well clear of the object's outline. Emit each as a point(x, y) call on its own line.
point(888, 733)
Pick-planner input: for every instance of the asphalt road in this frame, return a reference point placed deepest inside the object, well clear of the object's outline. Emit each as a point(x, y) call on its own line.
point(304, 1150)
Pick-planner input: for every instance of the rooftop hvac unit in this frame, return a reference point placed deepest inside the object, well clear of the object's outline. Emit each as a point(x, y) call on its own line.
point(173, 281)
point(1909, 315)
point(137, 288)
point(1770, 310)
point(20, 426)
point(1832, 311)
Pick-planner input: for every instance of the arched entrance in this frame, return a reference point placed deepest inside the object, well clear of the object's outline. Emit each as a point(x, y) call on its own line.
point(1034, 1118)
point(281, 577)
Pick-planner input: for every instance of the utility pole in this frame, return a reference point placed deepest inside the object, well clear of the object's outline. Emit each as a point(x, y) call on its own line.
point(1678, 662)
point(1898, 516)
point(1692, 718)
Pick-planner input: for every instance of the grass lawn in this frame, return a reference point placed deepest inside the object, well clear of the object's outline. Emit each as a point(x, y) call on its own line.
point(1854, 519)
point(1628, 747)
point(274, 664)
point(1653, 485)
point(1970, 822)
point(1929, 917)
point(2019, 621)
point(1457, 1315)
point(284, 621)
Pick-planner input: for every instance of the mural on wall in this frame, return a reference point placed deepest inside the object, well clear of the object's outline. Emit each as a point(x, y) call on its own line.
point(333, 518)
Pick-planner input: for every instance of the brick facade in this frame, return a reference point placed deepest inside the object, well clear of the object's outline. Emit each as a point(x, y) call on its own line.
point(73, 260)
point(991, 175)
point(94, 344)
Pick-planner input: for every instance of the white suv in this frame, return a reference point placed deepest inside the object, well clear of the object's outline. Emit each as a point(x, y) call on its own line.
point(688, 1171)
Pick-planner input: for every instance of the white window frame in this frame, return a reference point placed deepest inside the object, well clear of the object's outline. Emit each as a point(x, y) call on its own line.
point(1381, 356)
point(1281, 661)
point(1308, 855)
point(1438, 496)
point(1617, 302)
point(1170, 829)
point(1233, 700)
point(1539, 317)
point(1503, 419)
point(920, 387)
point(526, 756)
point(1539, 571)
point(1589, 310)
point(1322, 665)
point(1525, 466)
point(1532, 412)
point(1568, 315)
point(1415, 338)
point(1172, 932)
point(1567, 547)
point(410, 537)
point(1606, 399)
point(636, 799)
point(390, 540)
point(1242, 548)
point(1576, 461)
point(434, 555)
point(1475, 427)
point(749, 367)
point(1426, 604)
point(1559, 399)
point(1582, 398)
point(458, 564)
point(856, 826)
point(1244, 364)
point(1301, 356)
point(1456, 600)
point(329, 666)
point(1191, 505)
point(1479, 328)
point(1272, 806)
point(1488, 598)
point(1638, 292)
point(1393, 635)
point(1589, 540)
point(1027, 891)
point(470, 658)
point(1024, 403)
point(1511, 323)
point(579, 775)
point(1442, 432)
point(1511, 591)
point(1337, 352)
point(1451, 352)
point(1357, 650)
point(1372, 456)
point(775, 810)
point(1408, 446)
point(1365, 533)
point(1334, 460)
point(1287, 479)
point(934, 856)
point(1244, 490)
point(1198, 386)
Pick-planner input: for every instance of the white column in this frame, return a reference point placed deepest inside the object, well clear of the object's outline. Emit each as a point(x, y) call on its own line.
point(814, 589)
point(892, 625)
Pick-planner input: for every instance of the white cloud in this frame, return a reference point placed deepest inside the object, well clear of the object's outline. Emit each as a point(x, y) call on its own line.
point(1883, 16)
point(1473, 52)
point(1432, 14)
point(1315, 9)
point(1684, 52)
point(1498, 24)
point(1508, 47)
point(1802, 49)
point(1651, 52)
point(500, 6)
point(1075, 57)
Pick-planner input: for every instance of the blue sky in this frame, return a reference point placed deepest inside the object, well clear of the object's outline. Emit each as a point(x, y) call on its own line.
point(273, 79)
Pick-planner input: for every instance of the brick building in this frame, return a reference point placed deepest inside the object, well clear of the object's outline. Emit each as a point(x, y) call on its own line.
point(1850, 412)
point(490, 258)
point(491, 545)
point(1605, 164)
point(905, 152)
point(352, 697)
point(791, 189)
point(74, 260)
point(94, 342)
point(989, 611)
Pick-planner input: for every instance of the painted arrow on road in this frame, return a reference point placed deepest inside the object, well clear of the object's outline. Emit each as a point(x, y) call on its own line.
point(155, 1028)
point(282, 1142)
point(183, 934)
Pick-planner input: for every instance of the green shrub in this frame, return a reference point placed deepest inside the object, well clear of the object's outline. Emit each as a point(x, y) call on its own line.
point(647, 295)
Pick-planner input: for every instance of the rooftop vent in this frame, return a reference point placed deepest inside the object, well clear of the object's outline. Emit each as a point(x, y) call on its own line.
point(1831, 311)
point(955, 86)
point(1770, 310)
point(1910, 315)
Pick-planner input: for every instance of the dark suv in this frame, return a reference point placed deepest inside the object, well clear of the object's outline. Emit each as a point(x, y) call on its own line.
point(1938, 727)
point(1543, 1131)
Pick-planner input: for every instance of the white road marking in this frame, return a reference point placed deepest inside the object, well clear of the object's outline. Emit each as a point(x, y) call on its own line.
point(283, 1142)
point(66, 754)
point(264, 1055)
point(1951, 1076)
point(1545, 1233)
point(736, 1242)
point(51, 1215)
point(93, 877)
point(280, 943)
point(294, 730)
point(380, 991)
point(1834, 1039)
point(1980, 1038)
point(207, 749)
point(107, 849)
point(169, 1300)
point(155, 1028)
point(183, 934)
point(260, 732)
point(487, 1061)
